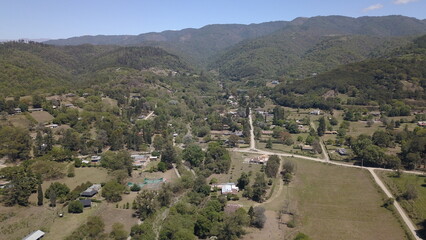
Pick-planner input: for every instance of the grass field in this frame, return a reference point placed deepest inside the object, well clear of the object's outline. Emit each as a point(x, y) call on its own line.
point(237, 167)
point(42, 116)
point(332, 202)
point(416, 209)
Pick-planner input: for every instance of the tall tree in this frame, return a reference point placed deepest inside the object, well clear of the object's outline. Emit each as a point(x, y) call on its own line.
point(39, 195)
point(322, 126)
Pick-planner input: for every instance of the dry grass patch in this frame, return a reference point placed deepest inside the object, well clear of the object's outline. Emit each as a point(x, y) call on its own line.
point(42, 116)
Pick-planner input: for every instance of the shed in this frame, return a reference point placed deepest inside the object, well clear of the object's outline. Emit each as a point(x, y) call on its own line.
point(34, 235)
point(86, 202)
point(342, 151)
point(89, 193)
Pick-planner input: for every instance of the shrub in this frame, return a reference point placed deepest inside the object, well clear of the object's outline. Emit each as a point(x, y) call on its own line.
point(135, 188)
point(75, 207)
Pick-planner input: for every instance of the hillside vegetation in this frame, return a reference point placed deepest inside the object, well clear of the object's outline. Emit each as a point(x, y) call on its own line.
point(32, 67)
point(400, 75)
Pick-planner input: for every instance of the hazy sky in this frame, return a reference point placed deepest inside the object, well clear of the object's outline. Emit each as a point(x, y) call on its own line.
point(67, 18)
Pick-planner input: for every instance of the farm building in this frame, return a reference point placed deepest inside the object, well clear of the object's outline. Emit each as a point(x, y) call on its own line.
point(95, 159)
point(315, 112)
point(34, 235)
point(421, 123)
point(91, 191)
point(86, 202)
point(140, 160)
point(307, 148)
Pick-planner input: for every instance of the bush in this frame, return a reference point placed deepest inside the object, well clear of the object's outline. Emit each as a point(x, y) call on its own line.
point(77, 162)
point(112, 191)
point(75, 207)
point(259, 217)
point(135, 188)
point(388, 202)
point(162, 167)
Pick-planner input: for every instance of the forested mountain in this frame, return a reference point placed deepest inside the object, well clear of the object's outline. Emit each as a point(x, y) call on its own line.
point(194, 44)
point(34, 67)
point(399, 75)
point(281, 39)
point(315, 45)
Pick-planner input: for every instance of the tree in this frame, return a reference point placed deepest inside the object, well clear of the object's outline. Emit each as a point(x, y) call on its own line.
point(146, 204)
point(92, 229)
point(322, 126)
point(272, 166)
point(169, 155)
point(233, 140)
point(118, 232)
point(243, 181)
point(117, 160)
point(302, 236)
point(15, 143)
point(269, 143)
point(112, 191)
point(410, 192)
point(259, 187)
point(194, 155)
point(75, 207)
point(39, 195)
point(162, 167)
point(259, 217)
point(60, 189)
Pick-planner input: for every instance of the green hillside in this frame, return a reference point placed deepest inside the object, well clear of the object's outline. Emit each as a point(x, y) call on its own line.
point(400, 75)
point(27, 68)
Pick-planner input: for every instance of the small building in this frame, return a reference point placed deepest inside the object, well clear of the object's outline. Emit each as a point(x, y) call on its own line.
point(70, 95)
point(421, 123)
point(259, 160)
point(34, 235)
point(342, 151)
point(307, 148)
point(315, 112)
point(69, 105)
point(275, 82)
point(52, 126)
point(86, 202)
point(95, 159)
point(89, 193)
point(267, 132)
point(85, 161)
point(17, 110)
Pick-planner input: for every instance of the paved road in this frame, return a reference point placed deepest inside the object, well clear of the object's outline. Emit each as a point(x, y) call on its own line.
point(326, 159)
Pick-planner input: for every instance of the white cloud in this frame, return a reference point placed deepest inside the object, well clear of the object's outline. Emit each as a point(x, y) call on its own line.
point(377, 6)
point(404, 1)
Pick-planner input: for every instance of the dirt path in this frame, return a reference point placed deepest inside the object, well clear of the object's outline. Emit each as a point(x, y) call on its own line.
point(277, 193)
point(326, 159)
point(252, 141)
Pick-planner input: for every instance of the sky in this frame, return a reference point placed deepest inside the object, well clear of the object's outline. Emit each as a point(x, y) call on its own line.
point(53, 19)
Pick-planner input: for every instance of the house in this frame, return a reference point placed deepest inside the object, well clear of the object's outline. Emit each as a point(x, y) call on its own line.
point(95, 159)
point(375, 113)
point(140, 160)
point(85, 161)
point(69, 105)
point(342, 151)
point(226, 188)
point(91, 191)
point(17, 110)
point(307, 148)
point(260, 159)
point(267, 132)
point(52, 126)
point(34, 235)
point(70, 95)
point(275, 82)
point(315, 112)
point(421, 123)
point(86, 202)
